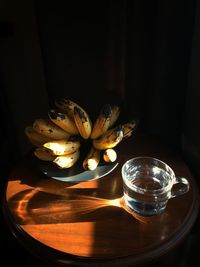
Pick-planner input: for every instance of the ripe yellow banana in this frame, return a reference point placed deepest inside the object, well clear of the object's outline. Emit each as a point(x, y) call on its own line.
point(63, 121)
point(83, 122)
point(114, 115)
point(66, 106)
point(35, 138)
point(44, 154)
point(92, 159)
point(110, 139)
point(67, 161)
point(62, 147)
point(129, 127)
point(49, 129)
point(102, 122)
point(109, 155)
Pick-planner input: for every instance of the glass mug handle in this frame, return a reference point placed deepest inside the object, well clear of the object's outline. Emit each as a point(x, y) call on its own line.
point(182, 187)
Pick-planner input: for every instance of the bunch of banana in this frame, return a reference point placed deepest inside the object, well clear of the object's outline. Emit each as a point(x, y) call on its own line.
point(58, 138)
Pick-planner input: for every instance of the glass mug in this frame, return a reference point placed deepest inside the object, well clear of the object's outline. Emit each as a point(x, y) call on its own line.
point(148, 185)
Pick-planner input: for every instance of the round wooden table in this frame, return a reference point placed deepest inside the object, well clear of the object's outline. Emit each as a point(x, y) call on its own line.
point(87, 224)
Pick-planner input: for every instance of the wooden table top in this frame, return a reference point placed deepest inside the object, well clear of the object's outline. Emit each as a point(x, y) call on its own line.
point(82, 224)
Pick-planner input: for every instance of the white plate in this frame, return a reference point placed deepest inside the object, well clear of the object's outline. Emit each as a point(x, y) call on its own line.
point(76, 173)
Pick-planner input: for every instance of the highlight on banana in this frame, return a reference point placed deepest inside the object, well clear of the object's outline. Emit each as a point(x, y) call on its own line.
point(58, 138)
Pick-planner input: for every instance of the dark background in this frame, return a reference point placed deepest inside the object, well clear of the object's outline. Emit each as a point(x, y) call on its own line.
point(143, 55)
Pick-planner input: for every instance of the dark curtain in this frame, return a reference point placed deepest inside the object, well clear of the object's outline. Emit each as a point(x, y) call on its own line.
point(136, 53)
point(158, 56)
point(9, 146)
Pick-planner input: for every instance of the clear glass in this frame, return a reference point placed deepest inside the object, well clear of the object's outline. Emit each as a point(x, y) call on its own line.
point(148, 185)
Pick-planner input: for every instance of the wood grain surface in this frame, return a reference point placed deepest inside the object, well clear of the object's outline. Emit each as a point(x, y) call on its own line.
point(87, 223)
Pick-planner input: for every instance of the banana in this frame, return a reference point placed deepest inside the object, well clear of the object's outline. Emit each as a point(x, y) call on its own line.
point(67, 161)
point(83, 122)
point(129, 127)
point(109, 155)
point(49, 129)
point(63, 121)
point(110, 139)
point(102, 122)
point(36, 138)
point(62, 147)
point(44, 154)
point(92, 159)
point(114, 115)
point(76, 112)
point(66, 106)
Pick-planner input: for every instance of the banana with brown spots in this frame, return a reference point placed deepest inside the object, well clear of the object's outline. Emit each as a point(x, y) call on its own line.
point(129, 128)
point(66, 106)
point(44, 154)
point(102, 122)
point(114, 115)
point(92, 159)
point(110, 139)
point(49, 129)
point(63, 121)
point(83, 122)
point(36, 138)
point(109, 155)
point(67, 161)
point(62, 146)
